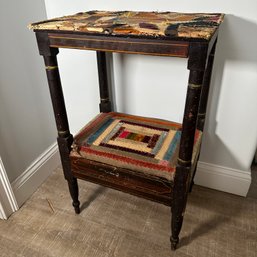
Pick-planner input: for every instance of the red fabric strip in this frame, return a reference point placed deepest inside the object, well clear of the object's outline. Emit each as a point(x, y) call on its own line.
point(128, 160)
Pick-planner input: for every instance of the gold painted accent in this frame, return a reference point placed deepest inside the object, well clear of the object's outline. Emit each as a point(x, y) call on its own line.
point(63, 132)
point(104, 99)
point(186, 162)
point(51, 67)
point(119, 51)
point(194, 86)
point(118, 41)
point(201, 114)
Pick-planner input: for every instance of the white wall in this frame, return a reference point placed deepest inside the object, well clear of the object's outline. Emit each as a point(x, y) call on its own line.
point(27, 125)
point(146, 85)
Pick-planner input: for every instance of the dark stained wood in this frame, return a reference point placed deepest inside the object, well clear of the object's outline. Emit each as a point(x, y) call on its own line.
point(139, 184)
point(197, 56)
point(190, 117)
point(105, 99)
point(43, 44)
point(56, 93)
point(180, 192)
point(196, 64)
point(205, 90)
point(74, 192)
point(204, 98)
point(120, 45)
point(64, 144)
point(65, 138)
point(174, 193)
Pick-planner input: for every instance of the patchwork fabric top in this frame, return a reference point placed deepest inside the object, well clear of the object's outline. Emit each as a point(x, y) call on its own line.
point(152, 24)
point(136, 143)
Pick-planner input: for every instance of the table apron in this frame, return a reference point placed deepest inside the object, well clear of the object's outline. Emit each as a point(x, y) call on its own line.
point(130, 46)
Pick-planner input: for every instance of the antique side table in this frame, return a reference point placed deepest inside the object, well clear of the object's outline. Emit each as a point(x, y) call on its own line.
point(150, 158)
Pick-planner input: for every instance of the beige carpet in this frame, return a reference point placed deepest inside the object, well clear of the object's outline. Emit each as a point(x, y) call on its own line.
point(116, 224)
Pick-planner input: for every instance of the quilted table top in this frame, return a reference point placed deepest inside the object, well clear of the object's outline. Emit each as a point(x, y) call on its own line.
point(167, 25)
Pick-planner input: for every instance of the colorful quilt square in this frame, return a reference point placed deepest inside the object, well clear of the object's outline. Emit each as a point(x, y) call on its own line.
point(136, 143)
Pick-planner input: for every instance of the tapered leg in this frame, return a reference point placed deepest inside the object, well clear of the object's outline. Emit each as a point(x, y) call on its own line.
point(65, 138)
point(196, 66)
point(205, 90)
point(203, 102)
point(74, 192)
point(178, 204)
point(64, 148)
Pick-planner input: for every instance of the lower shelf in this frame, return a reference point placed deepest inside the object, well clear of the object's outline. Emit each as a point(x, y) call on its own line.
point(134, 154)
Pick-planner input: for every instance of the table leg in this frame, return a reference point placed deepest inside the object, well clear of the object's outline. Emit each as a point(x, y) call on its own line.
point(104, 87)
point(65, 138)
point(205, 90)
point(204, 100)
point(182, 175)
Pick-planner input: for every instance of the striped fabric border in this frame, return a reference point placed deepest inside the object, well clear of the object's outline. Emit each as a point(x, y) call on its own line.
point(136, 143)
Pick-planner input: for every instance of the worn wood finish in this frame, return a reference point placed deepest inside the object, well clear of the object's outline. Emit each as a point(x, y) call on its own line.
point(105, 99)
point(180, 191)
point(205, 89)
point(139, 184)
point(65, 138)
point(196, 65)
point(55, 87)
point(119, 45)
point(190, 117)
point(204, 98)
point(173, 194)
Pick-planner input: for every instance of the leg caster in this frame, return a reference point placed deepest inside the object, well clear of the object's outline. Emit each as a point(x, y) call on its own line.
point(74, 192)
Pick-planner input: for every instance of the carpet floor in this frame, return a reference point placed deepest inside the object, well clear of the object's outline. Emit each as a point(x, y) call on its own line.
point(114, 224)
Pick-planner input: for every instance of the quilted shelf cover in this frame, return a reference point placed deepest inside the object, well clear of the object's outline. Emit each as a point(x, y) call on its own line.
point(136, 143)
point(171, 25)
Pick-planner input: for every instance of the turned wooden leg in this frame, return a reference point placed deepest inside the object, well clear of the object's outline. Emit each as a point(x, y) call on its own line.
point(65, 138)
point(196, 65)
point(106, 104)
point(184, 165)
point(74, 192)
point(205, 90)
point(64, 148)
point(203, 102)
point(178, 204)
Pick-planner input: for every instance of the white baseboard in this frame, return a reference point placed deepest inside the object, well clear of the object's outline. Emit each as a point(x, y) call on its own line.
point(8, 203)
point(3, 216)
point(223, 179)
point(28, 182)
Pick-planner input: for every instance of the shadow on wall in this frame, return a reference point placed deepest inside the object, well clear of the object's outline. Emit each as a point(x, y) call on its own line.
point(231, 131)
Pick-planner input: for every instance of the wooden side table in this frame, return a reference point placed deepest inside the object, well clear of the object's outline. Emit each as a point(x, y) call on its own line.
point(147, 157)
